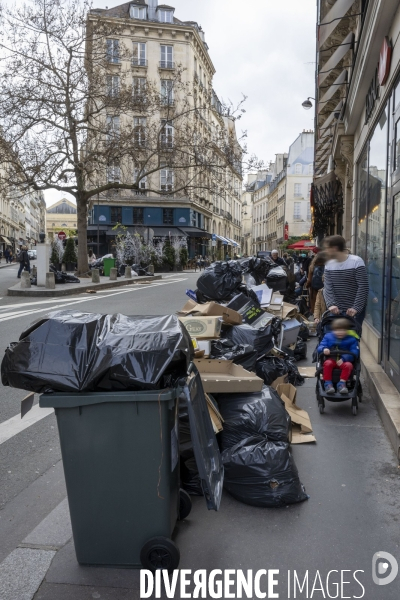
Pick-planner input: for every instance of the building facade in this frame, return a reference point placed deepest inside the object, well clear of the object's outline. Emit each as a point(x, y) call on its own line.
point(160, 44)
point(60, 216)
point(299, 178)
point(357, 156)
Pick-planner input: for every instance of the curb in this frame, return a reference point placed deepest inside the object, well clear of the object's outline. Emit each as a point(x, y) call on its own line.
point(77, 288)
point(385, 396)
point(8, 265)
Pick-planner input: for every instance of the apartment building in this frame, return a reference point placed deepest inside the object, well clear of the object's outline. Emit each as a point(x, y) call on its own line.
point(60, 216)
point(299, 178)
point(158, 46)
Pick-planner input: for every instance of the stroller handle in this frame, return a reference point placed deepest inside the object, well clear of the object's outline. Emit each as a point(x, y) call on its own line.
point(340, 352)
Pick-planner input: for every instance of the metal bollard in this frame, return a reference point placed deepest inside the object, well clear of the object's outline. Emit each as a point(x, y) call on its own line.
point(113, 274)
point(95, 276)
point(25, 280)
point(50, 281)
point(128, 272)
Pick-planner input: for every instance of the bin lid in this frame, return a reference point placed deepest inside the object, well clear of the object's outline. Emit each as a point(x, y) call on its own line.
point(205, 446)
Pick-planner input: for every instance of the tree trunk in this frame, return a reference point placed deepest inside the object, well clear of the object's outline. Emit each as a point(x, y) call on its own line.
point(81, 206)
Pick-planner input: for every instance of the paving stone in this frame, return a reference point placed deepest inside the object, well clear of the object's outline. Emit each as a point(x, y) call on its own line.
point(22, 572)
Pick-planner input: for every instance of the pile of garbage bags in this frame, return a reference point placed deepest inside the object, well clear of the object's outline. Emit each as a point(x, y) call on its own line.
point(71, 351)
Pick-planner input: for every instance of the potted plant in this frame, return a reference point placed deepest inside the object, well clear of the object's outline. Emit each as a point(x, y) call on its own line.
point(169, 255)
point(57, 253)
point(69, 257)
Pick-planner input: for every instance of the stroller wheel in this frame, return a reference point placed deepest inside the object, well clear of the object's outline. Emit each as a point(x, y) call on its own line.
point(321, 408)
point(354, 410)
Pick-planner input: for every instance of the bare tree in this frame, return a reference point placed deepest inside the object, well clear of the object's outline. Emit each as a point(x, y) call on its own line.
point(68, 124)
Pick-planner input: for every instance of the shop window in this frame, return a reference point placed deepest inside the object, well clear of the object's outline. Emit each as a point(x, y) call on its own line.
point(372, 182)
point(138, 216)
point(116, 214)
point(168, 216)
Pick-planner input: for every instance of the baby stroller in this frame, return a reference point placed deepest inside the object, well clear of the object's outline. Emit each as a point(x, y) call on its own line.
point(353, 384)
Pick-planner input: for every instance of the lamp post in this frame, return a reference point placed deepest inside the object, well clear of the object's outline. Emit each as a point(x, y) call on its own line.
point(307, 104)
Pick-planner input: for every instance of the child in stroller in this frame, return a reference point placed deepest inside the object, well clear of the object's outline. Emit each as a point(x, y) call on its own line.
point(338, 360)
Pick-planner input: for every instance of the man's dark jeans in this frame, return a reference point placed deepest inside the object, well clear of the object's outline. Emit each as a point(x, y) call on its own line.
point(23, 266)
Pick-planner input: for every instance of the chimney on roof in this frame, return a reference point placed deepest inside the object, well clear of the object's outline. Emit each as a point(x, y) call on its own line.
point(152, 4)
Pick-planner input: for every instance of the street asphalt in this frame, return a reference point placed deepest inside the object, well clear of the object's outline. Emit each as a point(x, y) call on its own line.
point(350, 474)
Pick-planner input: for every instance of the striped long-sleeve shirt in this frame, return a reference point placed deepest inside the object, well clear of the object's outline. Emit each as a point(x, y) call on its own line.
point(346, 284)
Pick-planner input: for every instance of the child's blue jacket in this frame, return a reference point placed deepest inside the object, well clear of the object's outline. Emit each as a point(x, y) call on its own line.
point(349, 343)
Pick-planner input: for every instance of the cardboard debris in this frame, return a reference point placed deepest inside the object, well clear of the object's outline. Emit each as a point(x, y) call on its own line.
point(223, 376)
point(282, 379)
point(211, 309)
point(307, 371)
point(205, 346)
point(289, 311)
point(216, 417)
point(263, 293)
point(202, 327)
point(300, 417)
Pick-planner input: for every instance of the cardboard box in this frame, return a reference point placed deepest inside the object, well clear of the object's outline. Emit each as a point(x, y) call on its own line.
point(215, 415)
point(211, 309)
point(289, 310)
point(263, 293)
point(205, 345)
point(202, 327)
point(223, 376)
point(301, 424)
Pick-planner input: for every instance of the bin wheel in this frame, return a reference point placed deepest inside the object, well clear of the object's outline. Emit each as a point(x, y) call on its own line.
point(160, 553)
point(185, 504)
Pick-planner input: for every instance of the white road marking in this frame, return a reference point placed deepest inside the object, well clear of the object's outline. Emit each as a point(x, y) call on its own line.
point(15, 425)
point(12, 315)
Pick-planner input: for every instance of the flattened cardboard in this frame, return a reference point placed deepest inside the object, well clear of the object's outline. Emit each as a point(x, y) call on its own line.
point(202, 327)
point(216, 417)
point(211, 309)
point(279, 380)
point(289, 311)
point(301, 438)
point(287, 392)
point(223, 376)
point(307, 371)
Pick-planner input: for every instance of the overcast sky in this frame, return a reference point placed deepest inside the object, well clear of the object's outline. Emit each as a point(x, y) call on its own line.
point(264, 49)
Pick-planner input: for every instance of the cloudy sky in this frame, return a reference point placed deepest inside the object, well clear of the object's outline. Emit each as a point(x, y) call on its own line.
point(261, 48)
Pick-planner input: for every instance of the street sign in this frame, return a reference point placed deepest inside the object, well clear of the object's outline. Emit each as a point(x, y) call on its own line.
point(62, 235)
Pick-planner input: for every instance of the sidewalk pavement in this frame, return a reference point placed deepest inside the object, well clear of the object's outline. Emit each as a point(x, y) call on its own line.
point(69, 289)
point(3, 265)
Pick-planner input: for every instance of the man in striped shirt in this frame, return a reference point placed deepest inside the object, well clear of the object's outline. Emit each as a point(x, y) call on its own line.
point(346, 280)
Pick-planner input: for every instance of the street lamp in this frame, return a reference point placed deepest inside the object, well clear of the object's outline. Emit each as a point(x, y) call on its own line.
point(307, 104)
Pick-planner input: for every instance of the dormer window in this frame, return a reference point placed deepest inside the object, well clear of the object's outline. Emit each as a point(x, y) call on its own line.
point(138, 12)
point(165, 15)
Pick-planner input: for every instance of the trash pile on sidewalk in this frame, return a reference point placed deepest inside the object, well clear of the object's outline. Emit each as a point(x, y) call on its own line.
point(247, 340)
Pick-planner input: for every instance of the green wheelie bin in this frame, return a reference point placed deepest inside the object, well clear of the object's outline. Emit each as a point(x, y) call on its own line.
point(108, 264)
point(120, 452)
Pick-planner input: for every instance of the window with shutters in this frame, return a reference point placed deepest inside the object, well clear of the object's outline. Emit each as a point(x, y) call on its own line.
point(113, 51)
point(298, 169)
point(297, 211)
point(167, 91)
point(139, 130)
point(297, 189)
point(139, 54)
point(113, 86)
point(138, 216)
point(168, 216)
point(116, 214)
point(167, 57)
point(167, 134)
point(166, 178)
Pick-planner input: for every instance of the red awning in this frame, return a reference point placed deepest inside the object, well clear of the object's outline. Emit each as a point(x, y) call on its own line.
point(304, 245)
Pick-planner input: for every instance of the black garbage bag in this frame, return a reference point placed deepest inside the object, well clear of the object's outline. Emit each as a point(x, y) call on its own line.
point(220, 280)
point(33, 280)
point(71, 351)
point(277, 279)
point(248, 414)
point(257, 269)
point(262, 473)
point(294, 376)
point(304, 333)
point(190, 478)
point(240, 354)
point(260, 339)
point(63, 277)
point(270, 368)
point(300, 350)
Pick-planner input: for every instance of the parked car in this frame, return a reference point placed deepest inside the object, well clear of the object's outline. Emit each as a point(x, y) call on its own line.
point(32, 254)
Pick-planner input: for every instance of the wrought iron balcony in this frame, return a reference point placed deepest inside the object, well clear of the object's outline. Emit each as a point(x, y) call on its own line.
point(167, 64)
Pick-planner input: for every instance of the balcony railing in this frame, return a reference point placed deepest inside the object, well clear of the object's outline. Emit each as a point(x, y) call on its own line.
point(139, 62)
point(167, 64)
point(139, 192)
point(280, 219)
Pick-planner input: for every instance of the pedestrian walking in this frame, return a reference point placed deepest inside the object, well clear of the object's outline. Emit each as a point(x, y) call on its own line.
point(307, 261)
point(315, 278)
point(24, 262)
point(320, 306)
point(346, 285)
point(197, 263)
point(7, 255)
